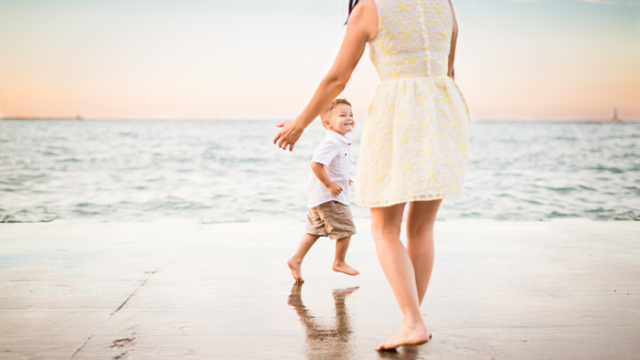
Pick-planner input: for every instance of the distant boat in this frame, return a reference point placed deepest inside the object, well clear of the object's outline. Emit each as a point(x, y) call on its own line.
point(615, 117)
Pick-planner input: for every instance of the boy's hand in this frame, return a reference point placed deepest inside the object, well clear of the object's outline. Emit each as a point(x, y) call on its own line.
point(334, 189)
point(350, 182)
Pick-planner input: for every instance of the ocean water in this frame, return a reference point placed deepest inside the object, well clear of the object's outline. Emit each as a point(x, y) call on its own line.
point(229, 171)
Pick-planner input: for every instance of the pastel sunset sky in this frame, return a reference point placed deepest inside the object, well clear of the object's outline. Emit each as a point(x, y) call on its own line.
point(262, 59)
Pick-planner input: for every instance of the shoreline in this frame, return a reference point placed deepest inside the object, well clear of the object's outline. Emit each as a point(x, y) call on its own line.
point(197, 221)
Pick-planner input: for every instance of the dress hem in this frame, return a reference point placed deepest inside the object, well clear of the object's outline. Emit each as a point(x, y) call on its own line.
point(409, 199)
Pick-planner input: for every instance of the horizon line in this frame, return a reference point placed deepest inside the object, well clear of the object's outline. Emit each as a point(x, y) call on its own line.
point(75, 118)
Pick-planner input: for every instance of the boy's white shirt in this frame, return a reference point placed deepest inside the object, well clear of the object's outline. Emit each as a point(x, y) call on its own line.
point(334, 152)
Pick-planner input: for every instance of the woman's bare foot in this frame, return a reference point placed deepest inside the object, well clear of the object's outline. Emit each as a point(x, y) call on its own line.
point(296, 269)
point(343, 267)
point(405, 336)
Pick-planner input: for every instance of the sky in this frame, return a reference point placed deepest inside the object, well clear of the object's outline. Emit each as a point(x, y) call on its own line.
point(263, 59)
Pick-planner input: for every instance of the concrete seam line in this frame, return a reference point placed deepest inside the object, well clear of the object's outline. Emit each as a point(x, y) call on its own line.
point(133, 293)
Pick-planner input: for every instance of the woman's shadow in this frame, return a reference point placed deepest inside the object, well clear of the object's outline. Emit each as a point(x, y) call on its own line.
point(334, 341)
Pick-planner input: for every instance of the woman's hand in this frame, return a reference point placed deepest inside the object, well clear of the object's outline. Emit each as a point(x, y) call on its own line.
point(454, 40)
point(362, 26)
point(288, 135)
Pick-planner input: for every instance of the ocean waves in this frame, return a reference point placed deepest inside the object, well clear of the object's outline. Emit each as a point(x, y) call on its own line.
point(229, 171)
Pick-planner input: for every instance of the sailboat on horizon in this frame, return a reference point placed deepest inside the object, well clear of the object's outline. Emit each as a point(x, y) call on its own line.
point(615, 118)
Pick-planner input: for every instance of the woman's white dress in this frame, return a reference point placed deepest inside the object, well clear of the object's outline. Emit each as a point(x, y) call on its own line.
point(414, 144)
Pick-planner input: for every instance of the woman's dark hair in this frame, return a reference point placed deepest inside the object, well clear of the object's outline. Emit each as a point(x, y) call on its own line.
point(352, 4)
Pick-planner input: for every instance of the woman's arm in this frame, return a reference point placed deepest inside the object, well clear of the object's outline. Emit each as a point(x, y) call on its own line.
point(454, 40)
point(361, 27)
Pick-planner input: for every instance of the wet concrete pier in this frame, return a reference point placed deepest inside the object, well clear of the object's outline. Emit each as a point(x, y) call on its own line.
point(564, 289)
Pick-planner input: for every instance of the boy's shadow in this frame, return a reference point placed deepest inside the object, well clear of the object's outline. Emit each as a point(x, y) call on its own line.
point(325, 342)
point(333, 342)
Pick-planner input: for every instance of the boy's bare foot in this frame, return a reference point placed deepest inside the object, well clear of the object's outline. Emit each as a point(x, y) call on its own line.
point(344, 268)
point(405, 336)
point(296, 269)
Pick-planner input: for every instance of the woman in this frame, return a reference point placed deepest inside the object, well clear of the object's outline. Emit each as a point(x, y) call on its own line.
point(414, 144)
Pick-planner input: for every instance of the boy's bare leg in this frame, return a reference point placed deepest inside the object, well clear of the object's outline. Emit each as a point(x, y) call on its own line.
point(295, 263)
point(340, 264)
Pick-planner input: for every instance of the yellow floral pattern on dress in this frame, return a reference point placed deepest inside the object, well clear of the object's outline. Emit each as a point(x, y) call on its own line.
point(414, 144)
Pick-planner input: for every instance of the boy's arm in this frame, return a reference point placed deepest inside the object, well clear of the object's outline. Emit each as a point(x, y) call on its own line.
point(321, 174)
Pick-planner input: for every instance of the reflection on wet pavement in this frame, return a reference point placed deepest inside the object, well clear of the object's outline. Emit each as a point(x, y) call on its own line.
point(503, 290)
point(404, 353)
point(326, 342)
point(337, 341)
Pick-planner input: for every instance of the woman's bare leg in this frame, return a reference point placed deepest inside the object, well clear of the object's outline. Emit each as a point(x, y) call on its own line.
point(386, 224)
point(420, 223)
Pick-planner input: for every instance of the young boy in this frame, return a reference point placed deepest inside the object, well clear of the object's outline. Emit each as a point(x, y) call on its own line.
point(328, 191)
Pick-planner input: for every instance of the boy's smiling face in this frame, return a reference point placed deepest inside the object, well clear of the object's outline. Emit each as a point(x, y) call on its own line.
point(340, 120)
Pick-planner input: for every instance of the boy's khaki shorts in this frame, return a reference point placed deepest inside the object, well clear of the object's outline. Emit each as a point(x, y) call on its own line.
point(332, 219)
